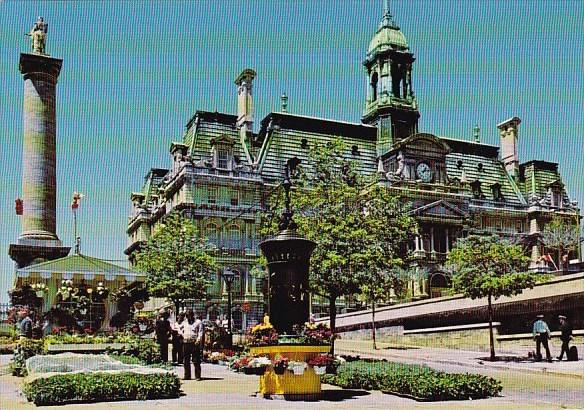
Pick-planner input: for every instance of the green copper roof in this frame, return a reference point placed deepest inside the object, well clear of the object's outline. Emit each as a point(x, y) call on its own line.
point(80, 264)
point(387, 36)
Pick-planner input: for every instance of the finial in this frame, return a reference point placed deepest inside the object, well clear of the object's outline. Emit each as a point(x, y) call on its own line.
point(284, 100)
point(476, 132)
point(387, 19)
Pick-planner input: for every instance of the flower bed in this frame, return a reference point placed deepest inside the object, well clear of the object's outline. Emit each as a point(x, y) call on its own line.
point(93, 387)
point(418, 382)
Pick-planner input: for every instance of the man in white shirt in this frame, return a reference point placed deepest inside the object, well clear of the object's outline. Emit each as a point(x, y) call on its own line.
point(199, 331)
point(186, 329)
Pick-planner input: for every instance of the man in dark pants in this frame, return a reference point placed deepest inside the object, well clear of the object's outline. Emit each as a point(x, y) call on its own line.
point(189, 340)
point(541, 334)
point(565, 337)
point(162, 330)
point(177, 340)
point(25, 327)
point(199, 331)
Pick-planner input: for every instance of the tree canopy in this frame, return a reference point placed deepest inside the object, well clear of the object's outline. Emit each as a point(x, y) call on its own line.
point(491, 267)
point(561, 235)
point(176, 260)
point(359, 227)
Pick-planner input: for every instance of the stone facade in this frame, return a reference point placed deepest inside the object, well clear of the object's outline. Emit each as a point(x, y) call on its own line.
point(222, 171)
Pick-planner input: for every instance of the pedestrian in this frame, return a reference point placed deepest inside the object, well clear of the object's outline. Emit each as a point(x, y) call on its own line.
point(162, 330)
point(177, 339)
point(565, 337)
point(199, 330)
point(541, 334)
point(187, 331)
point(25, 326)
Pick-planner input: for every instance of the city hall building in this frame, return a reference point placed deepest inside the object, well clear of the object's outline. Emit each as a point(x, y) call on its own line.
point(225, 166)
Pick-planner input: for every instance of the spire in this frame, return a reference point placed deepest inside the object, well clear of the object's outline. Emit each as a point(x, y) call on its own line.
point(387, 19)
point(284, 103)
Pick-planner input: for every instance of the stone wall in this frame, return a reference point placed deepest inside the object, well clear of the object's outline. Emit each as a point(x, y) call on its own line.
point(463, 338)
point(474, 339)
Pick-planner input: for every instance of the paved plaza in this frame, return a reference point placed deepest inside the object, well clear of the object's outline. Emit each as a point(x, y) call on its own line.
point(525, 385)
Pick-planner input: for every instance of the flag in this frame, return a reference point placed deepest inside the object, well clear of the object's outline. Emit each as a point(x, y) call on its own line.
point(18, 206)
point(547, 257)
point(76, 199)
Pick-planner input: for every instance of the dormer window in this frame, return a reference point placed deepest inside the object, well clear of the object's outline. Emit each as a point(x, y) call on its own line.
point(304, 143)
point(555, 194)
point(222, 158)
point(477, 192)
point(355, 150)
point(496, 191)
point(557, 198)
point(222, 152)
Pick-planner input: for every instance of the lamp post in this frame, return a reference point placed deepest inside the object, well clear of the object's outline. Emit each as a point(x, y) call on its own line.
point(229, 277)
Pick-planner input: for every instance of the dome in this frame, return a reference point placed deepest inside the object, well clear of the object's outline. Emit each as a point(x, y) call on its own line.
point(387, 37)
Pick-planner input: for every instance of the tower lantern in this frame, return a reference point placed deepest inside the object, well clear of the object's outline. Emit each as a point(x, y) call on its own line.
point(390, 104)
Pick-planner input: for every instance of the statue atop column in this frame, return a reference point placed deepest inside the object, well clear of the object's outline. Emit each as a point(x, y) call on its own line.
point(38, 34)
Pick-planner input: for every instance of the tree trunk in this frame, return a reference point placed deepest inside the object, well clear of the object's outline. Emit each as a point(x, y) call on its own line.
point(491, 338)
point(333, 319)
point(373, 324)
point(176, 308)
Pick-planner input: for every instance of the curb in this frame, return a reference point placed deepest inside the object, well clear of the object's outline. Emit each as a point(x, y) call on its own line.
point(474, 365)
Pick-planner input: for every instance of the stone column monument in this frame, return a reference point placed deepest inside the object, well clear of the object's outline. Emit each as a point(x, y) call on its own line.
point(38, 240)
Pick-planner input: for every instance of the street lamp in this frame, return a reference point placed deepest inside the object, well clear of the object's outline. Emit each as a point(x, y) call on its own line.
point(229, 277)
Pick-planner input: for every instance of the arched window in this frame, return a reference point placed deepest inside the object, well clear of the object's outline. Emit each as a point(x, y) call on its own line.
point(439, 284)
point(213, 234)
point(234, 237)
point(374, 84)
point(238, 287)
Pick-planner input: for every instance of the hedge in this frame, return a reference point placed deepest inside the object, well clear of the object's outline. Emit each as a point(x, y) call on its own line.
point(93, 387)
point(419, 382)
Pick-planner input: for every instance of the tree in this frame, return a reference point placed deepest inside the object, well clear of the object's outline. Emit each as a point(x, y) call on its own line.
point(350, 218)
point(383, 247)
point(177, 261)
point(488, 266)
point(562, 236)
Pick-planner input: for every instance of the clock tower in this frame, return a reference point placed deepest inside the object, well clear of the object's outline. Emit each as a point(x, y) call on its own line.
point(390, 104)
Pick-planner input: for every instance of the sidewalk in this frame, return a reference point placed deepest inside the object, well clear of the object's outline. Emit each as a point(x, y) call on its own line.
point(222, 389)
point(510, 360)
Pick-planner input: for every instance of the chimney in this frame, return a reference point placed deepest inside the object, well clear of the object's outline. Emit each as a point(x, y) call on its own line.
point(245, 107)
point(509, 135)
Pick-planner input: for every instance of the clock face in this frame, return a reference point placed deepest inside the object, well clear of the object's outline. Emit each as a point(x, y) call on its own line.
point(424, 172)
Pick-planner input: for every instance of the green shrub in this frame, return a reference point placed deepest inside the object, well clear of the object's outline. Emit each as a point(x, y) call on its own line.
point(135, 360)
point(146, 350)
point(66, 338)
point(92, 387)
point(419, 381)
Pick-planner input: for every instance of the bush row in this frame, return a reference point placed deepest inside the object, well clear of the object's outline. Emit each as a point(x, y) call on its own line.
point(418, 381)
point(92, 387)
